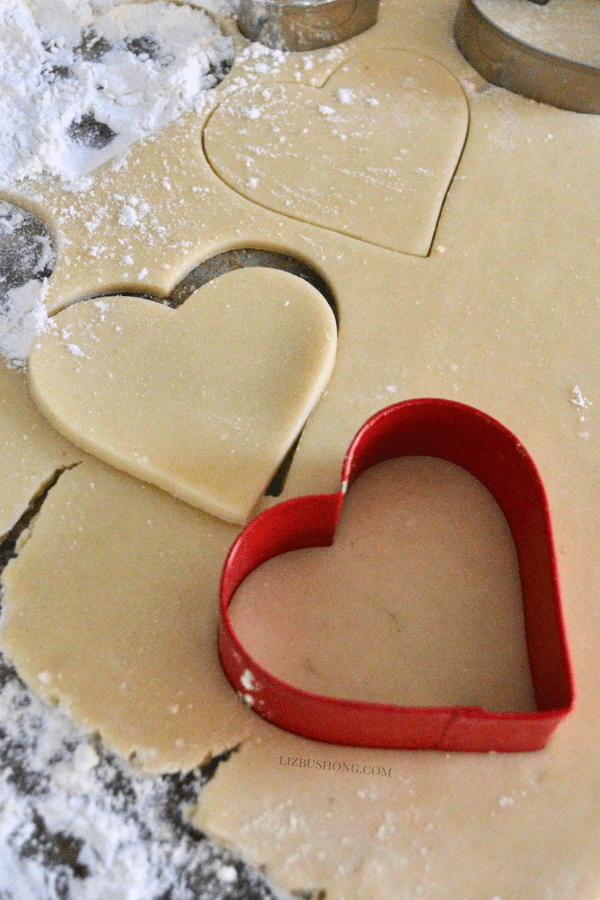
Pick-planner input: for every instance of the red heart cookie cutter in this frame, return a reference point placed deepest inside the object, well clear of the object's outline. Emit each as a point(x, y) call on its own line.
point(485, 448)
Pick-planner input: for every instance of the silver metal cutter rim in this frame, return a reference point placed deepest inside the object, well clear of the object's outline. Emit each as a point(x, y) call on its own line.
point(511, 63)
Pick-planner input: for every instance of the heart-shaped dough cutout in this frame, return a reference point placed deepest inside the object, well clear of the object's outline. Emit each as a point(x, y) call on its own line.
point(203, 401)
point(370, 155)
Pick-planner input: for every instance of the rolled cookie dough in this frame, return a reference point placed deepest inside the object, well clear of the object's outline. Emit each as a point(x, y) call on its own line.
point(31, 452)
point(502, 315)
point(371, 154)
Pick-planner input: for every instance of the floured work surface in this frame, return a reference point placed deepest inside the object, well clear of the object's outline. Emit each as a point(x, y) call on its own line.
point(503, 315)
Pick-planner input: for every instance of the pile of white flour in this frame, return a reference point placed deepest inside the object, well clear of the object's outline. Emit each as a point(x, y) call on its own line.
point(79, 824)
point(81, 80)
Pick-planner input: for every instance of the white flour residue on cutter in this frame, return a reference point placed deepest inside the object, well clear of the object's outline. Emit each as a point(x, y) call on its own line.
point(81, 81)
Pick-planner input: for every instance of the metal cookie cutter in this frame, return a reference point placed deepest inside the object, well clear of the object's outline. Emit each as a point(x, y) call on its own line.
point(519, 67)
point(486, 449)
point(305, 24)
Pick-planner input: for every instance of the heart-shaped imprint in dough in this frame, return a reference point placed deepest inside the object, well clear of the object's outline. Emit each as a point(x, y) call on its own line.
point(370, 155)
point(203, 401)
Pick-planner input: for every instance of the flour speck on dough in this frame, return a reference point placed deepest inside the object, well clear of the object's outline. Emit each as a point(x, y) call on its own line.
point(577, 399)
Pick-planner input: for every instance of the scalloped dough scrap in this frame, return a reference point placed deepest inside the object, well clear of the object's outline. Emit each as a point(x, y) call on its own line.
point(503, 315)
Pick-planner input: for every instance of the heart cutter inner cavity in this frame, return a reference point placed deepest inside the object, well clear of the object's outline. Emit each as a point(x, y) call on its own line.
point(485, 448)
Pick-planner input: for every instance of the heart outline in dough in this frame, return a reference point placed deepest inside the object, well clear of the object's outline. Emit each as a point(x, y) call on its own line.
point(485, 448)
point(223, 433)
point(371, 154)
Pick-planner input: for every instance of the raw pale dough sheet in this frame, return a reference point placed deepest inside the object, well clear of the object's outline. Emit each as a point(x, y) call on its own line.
point(30, 452)
point(503, 315)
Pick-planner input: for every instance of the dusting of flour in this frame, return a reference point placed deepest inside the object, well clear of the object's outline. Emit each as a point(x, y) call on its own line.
point(26, 261)
point(22, 317)
point(79, 824)
point(81, 80)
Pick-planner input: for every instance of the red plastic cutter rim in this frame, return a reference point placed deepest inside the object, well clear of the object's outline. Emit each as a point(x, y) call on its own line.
point(481, 445)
